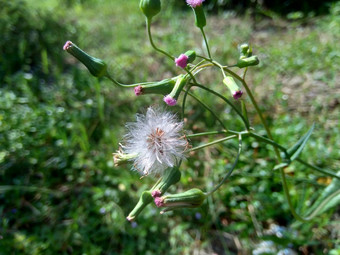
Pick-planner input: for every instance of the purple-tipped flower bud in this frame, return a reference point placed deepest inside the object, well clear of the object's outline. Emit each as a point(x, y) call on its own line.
point(188, 199)
point(171, 99)
point(196, 5)
point(170, 177)
point(163, 87)
point(150, 8)
point(233, 87)
point(182, 61)
point(156, 193)
point(96, 66)
point(138, 90)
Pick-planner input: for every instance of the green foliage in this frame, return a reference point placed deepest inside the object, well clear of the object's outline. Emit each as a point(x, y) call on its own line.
point(31, 39)
point(61, 194)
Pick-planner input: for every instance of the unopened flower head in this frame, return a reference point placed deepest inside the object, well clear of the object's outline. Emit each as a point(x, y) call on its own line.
point(157, 141)
point(195, 3)
point(182, 61)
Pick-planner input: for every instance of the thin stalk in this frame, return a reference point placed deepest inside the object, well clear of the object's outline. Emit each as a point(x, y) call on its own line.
point(231, 169)
point(148, 25)
point(211, 143)
point(206, 133)
point(269, 141)
point(225, 100)
point(127, 85)
point(326, 172)
point(206, 42)
point(208, 108)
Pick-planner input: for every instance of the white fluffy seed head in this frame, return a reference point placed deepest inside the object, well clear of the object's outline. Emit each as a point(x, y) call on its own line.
point(157, 140)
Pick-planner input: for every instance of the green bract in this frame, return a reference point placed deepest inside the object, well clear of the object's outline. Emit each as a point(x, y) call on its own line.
point(191, 54)
point(200, 20)
point(96, 66)
point(150, 8)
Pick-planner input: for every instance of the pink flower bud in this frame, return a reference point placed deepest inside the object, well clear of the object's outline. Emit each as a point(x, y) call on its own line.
point(182, 61)
point(67, 45)
point(138, 90)
point(159, 202)
point(237, 94)
point(169, 100)
point(156, 193)
point(195, 3)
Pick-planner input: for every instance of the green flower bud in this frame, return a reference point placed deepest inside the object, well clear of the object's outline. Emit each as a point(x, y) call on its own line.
point(251, 61)
point(188, 199)
point(144, 200)
point(96, 66)
point(245, 50)
point(171, 99)
point(233, 87)
point(163, 87)
point(150, 8)
point(191, 54)
point(171, 176)
point(200, 20)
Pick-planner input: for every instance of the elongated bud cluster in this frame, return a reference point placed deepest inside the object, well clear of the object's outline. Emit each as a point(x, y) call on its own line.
point(96, 66)
point(246, 58)
point(163, 87)
point(188, 199)
point(233, 87)
point(171, 99)
point(150, 8)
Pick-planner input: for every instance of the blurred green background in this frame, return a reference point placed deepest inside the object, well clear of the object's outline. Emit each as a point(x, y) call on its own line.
point(59, 190)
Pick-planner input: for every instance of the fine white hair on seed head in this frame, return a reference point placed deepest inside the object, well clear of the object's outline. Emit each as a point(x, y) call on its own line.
point(157, 140)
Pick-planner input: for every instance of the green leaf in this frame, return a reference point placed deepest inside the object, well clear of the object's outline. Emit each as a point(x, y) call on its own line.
point(278, 166)
point(297, 148)
point(332, 192)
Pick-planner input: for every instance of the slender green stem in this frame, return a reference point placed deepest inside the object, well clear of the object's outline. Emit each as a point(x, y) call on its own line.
point(259, 112)
point(231, 169)
point(206, 42)
point(269, 141)
point(326, 172)
point(211, 143)
point(148, 25)
point(208, 108)
point(225, 100)
point(206, 133)
point(127, 85)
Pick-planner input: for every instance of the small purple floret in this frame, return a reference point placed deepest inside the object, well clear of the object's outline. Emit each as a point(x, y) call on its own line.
point(138, 90)
point(169, 100)
point(195, 3)
point(67, 45)
point(156, 193)
point(182, 61)
point(159, 201)
point(237, 94)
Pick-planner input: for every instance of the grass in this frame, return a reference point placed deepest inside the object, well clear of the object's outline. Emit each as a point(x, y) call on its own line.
point(61, 194)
